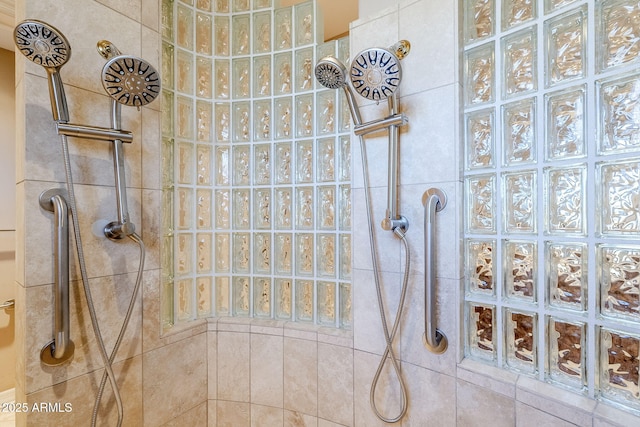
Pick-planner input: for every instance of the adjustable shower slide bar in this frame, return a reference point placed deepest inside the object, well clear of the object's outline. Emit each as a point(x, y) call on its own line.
point(434, 200)
point(60, 349)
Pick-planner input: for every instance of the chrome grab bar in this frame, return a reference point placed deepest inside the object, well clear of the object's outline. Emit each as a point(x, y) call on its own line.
point(60, 349)
point(434, 200)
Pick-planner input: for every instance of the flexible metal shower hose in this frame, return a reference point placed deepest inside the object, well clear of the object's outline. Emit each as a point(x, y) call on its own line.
point(389, 337)
point(106, 359)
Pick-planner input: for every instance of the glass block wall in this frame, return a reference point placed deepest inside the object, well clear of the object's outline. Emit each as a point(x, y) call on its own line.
point(256, 165)
point(552, 184)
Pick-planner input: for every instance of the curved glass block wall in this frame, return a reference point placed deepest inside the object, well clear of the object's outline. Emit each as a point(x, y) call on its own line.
point(256, 163)
point(552, 173)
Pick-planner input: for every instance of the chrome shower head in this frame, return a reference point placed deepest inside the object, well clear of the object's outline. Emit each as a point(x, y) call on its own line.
point(376, 73)
point(44, 45)
point(130, 80)
point(332, 74)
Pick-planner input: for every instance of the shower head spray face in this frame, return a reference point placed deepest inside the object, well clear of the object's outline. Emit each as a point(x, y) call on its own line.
point(130, 80)
point(44, 45)
point(376, 73)
point(331, 73)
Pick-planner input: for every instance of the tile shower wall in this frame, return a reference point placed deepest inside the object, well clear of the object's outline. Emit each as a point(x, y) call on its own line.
point(257, 165)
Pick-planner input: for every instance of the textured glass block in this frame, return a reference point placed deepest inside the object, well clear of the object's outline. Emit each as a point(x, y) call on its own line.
point(167, 163)
point(343, 50)
point(241, 34)
point(326, 49)
point(184, 72)
point(327, 211)
point(167, 259)
point(241, 254)
point(241, 78)
point(262, 32)
point(204, 121)
point(262, 297)
point(241, 296)
point(185, 160)
point(617, 203)
point(566, 47)
point(520, 267)
point(619, 366)
point(203, 34)
point(566, 122)
point(345, 207)
point(304, 115)
point(204, 79)
point(168, 113)
point(167, 20)
point(204, 5)
point(283, 26)
point(305, 23)
point(240, 5)
point(241, 165)
point(567, 275)
point(565, 200)
point(283, 118)
point(519, 63)
point(479, 19)
point(222, 210)
point(222, 35)
point(184, 117)
point(222, 81)
point(223, 122)
point(619, 269)
point(204, 252)
point(167, 65)
point(221, 6)
point(326, 255)
point(241, 208)
point(167, 305)
point(326, 159)
point(327, 303)
point(185, 208)
point(223, 296)
point(344, 113)
point(344, 158)
point(304, 70)
point(520, 201)
point(283, 170)
point(184, 299)
point(481, 331)
point(203, 209)
point(551, 5)
point(261, 4)
point(262, 164)
point(346, 316)
point(304, 254)
point(184, 254)
point(480, 139)
point(184, 27)
point(521, 340)
point(203, 296)
point(262, 76)
point(566, 351)
point(262, 120)
point(479, 74)
point(283, 299)
point(326, 112)
point(223, 247)
point(481, 203)
point(203, 163)
point(283, 74)
point(262, 208)
point(304, 208)
point(481, 266)
point(344, 256)
point(284, 253)
point(516, 12)
point(283, 208)
point(222, 165)
point(619, 123)
point(618, 33)
point(241, 121)
point(304, 167)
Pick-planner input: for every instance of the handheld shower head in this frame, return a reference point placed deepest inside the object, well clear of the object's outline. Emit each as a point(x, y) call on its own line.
point(376, 73)
point(332, 74)
point(130, 80)
point(44, 45)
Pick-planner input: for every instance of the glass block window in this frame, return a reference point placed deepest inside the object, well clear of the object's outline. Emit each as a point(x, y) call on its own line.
point(256, 165)
point(552, 191)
